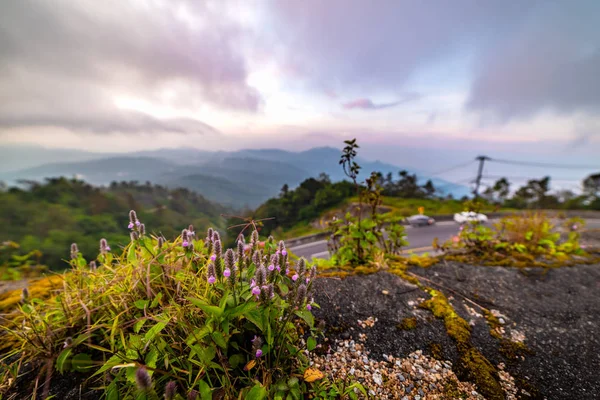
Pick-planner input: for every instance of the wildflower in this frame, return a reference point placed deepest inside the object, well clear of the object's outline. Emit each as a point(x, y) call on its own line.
point(161, 242)
point(142, 229)
point(74, 250)
point(295, 277)
point(134, 236)
point(284, 252)
point(313, 273)
point(271, 267)
point(213, 257)
point(185, 243)
point(193, 395)
point(104, 248)
point(259, 353)
point(257, 343)
point(301, 266)
point(301, 295)
point(132, 217)
point(216, 237)
point(308, 307)
point(143, 380)
point(574, 227)
point(210, 271)
point(170, 390)
point(256, 257)
point(191, 229)
point(137, 223)
point(254, 239)
point(130, 226)
point(227, 273)
point(93, 265)
point(256, 291)
point(252, 283)
point(240, 252)
point(261, 275)
point(209, 234)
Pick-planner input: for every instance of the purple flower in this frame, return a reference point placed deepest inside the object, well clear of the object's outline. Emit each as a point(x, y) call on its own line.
point(130, 226)
point(307, 280)
point(256, 290)
point(227, 273)
point(295, 277)
point(137, 223)
point(287, 271)
point(107, 248)
point(259, 353)
point(271, 267)
point(574, 227)
point(252, 283)
point(213, 257)
point(308, 307)
point(212, 280)
point(278, 268)
point(185, 243)
point(284, 252)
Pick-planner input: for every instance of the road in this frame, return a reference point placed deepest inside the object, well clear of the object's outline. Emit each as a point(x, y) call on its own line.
point(419, 239)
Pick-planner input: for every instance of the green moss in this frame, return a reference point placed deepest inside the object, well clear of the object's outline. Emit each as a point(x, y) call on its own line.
point(480, 371)
point(456, 327)
point(451, 391)
point(472, 364)
point(436, 351)
point(493, 322)
point(513, 350)
point(407, 324)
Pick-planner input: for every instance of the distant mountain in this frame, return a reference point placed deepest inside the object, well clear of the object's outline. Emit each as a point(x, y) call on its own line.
point(244, 178)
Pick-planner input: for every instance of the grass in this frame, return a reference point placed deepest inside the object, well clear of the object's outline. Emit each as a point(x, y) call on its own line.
point(182, 315)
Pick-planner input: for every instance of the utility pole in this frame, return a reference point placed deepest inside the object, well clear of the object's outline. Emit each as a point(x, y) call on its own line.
point(481, 160)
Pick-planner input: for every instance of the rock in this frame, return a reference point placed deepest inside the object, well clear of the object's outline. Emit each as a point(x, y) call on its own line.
point(377, 378)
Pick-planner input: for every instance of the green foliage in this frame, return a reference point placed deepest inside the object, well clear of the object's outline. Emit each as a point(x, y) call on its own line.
point(301, 206)
point(237, 323)
point(50, 216)
point(15, 266)
point(359, 239)
point(522, 240)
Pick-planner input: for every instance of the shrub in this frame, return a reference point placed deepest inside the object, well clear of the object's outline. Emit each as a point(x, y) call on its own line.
point(530, 237)
point(182, 316)
point(359, 239)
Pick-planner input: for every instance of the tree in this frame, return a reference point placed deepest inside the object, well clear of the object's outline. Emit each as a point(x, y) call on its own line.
point(429, 188)
point(499, 192)
point(591, 185)
point(284, 190)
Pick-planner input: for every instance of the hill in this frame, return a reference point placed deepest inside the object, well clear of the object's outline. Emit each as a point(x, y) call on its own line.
point(50, 216)
point(244, 178)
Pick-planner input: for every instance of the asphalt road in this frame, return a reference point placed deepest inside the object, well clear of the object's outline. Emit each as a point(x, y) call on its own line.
point(419, 239)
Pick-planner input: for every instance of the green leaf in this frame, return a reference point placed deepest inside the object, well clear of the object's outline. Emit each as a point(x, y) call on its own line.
point(156, 300)
point(256, 317)
point(240, 310)
point(82, 362)
point(155, 330)
point(112, 392)
point(62, 361)
point(311, 343)
point(210, 310)
point(138, 325)
point(141, 304)
point(151, 358)
point(307, 317)
point(256, 393)
point(237, 360)
point(205, 391)
point(219, 339)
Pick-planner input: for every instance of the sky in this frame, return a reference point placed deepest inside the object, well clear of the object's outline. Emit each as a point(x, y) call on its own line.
point(450, 79)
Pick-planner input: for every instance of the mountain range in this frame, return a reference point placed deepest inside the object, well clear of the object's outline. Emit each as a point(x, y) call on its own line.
point(240, 179)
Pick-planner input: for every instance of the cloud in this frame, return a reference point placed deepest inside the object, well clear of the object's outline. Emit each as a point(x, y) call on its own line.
point(367, 104)
point(350, 44)
point(73, 57)
point(550, 61)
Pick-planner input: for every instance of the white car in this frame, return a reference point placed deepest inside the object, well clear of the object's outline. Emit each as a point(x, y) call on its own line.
point(470, 216)
point(420, 220)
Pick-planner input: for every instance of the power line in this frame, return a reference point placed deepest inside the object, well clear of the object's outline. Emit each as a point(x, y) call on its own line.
point(461, 165)
point(543, 165)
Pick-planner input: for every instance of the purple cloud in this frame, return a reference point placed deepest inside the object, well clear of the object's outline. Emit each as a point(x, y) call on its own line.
point(367, 104)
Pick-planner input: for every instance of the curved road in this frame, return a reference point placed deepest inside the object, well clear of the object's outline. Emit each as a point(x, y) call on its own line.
point(419, 239)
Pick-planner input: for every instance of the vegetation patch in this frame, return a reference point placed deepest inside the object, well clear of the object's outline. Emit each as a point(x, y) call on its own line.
point(407, 324)
point(181, 317)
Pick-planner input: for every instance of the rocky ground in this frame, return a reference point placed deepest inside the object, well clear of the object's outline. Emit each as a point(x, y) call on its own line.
point(543, 339)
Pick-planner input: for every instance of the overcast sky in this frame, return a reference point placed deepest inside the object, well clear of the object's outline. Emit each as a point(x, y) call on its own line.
point(485, 76)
